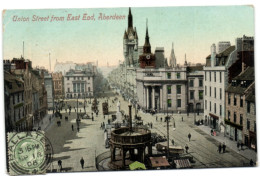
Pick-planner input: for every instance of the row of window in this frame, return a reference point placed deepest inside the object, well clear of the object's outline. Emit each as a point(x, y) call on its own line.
point(235, 100)
point(209, 73)
point(77, 78)
point(241, 120)
point(18, 98)
point(192, 92)
point(215, 92)
point(76, 88)
point(215, 107)
point(169, 103)
point(178, 88)
point(169, 75)
point(191, 83)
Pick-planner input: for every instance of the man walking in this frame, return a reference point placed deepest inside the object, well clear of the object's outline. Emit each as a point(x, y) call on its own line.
point(189, 136)
point(224, 147)
point(187, 148)
point(60, 164)
point(72, 127)
point(78, 128)
point(82, 162)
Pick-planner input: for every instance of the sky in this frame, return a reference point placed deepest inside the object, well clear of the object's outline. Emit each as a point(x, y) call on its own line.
point(191, 29)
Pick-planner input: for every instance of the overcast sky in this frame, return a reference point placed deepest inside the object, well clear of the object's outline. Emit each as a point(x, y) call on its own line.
point(192, 29)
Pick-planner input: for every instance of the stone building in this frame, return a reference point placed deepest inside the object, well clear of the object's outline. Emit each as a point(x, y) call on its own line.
point(58, 85)
point(235, 105)
point(15, 118)
point(48, 82)
point(249, 123)
point(78, 84)
point(195, 89)
point(215, 83)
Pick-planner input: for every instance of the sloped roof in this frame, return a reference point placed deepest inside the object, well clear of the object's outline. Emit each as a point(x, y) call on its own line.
point(12, 83)
point(247, 75)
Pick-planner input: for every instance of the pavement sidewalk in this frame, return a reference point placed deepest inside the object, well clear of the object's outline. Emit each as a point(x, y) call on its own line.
point(46, 122)
point(246, 152)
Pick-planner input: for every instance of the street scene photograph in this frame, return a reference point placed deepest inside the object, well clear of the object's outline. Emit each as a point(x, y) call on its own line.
point(131, 88)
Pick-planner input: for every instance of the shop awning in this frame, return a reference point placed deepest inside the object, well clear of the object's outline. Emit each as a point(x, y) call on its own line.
point(137, 166)
point(182, 163)
point(214, 116)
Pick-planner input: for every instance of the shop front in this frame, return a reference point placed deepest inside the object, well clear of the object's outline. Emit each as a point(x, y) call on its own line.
point(214, 121)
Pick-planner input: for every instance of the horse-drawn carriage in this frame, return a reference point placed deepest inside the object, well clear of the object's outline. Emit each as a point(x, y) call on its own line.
point(105, 108)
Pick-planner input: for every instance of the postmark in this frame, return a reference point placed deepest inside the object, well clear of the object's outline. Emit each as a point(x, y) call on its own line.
point(29, 153)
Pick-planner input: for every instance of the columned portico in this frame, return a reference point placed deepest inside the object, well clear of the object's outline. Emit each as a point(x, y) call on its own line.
point(153, 97)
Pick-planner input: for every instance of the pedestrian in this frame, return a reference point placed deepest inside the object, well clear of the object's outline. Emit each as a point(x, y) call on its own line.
point(181, 118)
point(78, 128)
point(189, 136)
point(151, 125)
point(156, 118)
point(161, 119)
point(251, 162)
point(92, 118)
point(82, 162)
point(224, 147)
point(172, 142)
point(219, 148)
point(241, 145)
point(72, 127)
point(60, 164)
point(187, 148)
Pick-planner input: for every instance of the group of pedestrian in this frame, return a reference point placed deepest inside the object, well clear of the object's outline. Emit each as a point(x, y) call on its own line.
point(222, 147)
point(82, 162)
point(150, 125)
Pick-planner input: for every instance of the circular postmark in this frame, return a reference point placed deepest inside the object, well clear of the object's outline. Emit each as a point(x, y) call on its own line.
point(29, 152)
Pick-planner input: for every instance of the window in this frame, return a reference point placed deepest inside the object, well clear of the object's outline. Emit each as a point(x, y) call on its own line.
point(248, 124)
point(82, 87)
point(220, 110)
point(235, 117)
point(205, 90)
point(18, 98)
point(228, 115)
point(169, 75)
point(229, 97)
point(241, 119)
point(169, 89)
point(210, 91)
point(241, 101)
point(205, 104)
point(74, 78)
point(78, 87)
point(191, 95)
point(248, 107)
point(215, 92)
point(205, 76)
point(178, 89)
point(220, 94)
point(235, 100)
point(68, 89)
point(169, 102)
point(215, 108)
point(191, 83)
point(215, 76)
point(220, 77)
point(200, 82)
point(82, 78)
point(200, 94)
point(254, 126)
point(74, 87)
point(68, 78)
point(178, 75)
point(179, 103)
point(209, 76)
point(210, 106)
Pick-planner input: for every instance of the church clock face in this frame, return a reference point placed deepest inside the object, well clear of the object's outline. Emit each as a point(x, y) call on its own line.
point(148, 57)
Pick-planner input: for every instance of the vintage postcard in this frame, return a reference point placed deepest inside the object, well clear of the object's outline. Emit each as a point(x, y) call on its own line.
point(137, 88)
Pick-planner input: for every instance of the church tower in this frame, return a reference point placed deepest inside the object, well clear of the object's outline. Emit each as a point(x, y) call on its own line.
point(147, 59)
point(172, 58)
point(130, 43)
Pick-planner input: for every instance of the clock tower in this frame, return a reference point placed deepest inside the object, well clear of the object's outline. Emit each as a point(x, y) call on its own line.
point(147, 59)
point(130, 43)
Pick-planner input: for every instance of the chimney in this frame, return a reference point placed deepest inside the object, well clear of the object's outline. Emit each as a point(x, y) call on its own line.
point(213, 54)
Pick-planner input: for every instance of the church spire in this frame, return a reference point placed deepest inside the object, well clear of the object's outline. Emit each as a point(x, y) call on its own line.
point(147, 46)
point(130, 19)
point(172, 58)
point(185, 62)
